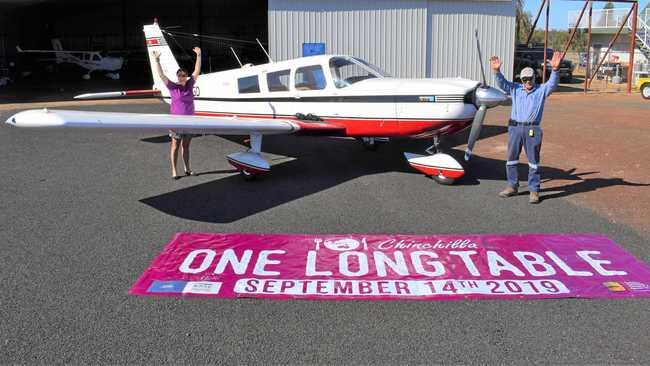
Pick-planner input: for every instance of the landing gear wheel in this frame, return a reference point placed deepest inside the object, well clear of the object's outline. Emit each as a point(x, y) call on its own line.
point(441, 179)
point(248, 176)
point(369, 143)
point(645, 91)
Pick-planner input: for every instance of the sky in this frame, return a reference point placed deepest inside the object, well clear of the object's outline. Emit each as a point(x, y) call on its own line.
point(561, 8)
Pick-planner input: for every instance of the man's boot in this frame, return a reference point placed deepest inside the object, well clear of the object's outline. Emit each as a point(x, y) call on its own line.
point(533, 198)
point(508, 192)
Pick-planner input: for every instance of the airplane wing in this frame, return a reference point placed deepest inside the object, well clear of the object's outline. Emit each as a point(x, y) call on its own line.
point(19, 49)
point(249, 163)
point(178, 123)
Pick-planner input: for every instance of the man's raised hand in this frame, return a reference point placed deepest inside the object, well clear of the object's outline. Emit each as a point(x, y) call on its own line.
point(495, 63)
point(555, 61)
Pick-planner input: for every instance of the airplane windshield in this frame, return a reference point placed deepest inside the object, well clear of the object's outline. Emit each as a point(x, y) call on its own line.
point(349, 70)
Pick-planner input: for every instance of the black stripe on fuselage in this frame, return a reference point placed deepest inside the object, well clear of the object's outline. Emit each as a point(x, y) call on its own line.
point(348, 99)
point(292, 116)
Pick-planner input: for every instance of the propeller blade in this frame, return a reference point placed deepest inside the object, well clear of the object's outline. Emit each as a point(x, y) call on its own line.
point(480, 56)
point(475, 131)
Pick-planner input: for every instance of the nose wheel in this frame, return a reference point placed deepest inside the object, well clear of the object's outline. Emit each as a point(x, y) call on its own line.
point(441, 179)
point(247, 175)
point(442, 168)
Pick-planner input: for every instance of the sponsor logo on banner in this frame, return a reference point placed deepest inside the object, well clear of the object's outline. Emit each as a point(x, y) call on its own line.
point(638, 286)
point(202, 287)
point(167, 286)
point(614, 286)
point(383, 267)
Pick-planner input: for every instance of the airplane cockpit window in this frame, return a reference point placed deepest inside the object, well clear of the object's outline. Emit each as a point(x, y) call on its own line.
point(249, 84)
point(310, 78)
point(278, 80)
point(349, 70)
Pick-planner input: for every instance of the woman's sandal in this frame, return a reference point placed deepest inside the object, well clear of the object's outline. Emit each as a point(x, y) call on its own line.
point(176, 177)
point(190, 172)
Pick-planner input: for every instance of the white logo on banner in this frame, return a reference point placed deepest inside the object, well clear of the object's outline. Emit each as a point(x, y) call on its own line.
point(341, 245)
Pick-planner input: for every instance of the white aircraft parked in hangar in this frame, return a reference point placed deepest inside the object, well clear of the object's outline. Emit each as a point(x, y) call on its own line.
point(89, 60)
point(326, 95)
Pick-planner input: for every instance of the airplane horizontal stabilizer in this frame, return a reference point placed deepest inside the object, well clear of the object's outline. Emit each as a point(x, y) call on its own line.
point(118, 94)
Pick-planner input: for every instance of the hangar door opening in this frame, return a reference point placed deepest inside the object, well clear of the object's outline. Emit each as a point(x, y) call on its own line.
point(115, 27)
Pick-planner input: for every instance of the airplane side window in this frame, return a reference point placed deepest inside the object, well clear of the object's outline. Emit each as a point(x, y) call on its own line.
point(310, 78)
point(249, 84)
point(278, 81)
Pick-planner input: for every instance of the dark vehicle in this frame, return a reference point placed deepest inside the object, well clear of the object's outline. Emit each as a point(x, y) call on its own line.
point(534, 57)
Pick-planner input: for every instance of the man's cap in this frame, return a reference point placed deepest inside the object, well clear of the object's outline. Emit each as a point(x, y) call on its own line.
point(527, 72)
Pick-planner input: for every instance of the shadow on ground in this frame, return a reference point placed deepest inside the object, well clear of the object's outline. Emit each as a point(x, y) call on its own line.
point(324, 163)
point(587, 185)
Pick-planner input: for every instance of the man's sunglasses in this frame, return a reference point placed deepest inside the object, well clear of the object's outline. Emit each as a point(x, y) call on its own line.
point(525, 79)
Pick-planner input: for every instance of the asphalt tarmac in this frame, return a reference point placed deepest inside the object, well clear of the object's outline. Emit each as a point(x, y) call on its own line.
point(83, 213)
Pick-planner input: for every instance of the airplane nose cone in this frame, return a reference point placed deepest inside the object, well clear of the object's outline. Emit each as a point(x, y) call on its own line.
point(490, 97)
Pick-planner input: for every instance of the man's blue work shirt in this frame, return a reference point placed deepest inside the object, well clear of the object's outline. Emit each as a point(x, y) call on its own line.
point(528, 107)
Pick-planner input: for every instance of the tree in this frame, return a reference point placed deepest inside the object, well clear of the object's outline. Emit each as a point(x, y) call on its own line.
point(523, 22)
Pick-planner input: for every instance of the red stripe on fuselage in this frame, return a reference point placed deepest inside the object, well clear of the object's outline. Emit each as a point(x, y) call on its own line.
point(360, 127)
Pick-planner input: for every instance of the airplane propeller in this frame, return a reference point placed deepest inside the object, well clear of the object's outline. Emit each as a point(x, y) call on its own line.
point(485, 97)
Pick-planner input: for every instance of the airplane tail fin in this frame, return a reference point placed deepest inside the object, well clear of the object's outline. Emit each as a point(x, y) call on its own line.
point(156, 42)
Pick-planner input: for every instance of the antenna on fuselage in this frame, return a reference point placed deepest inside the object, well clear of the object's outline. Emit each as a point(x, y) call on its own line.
point(264, 49)
point(236, 58)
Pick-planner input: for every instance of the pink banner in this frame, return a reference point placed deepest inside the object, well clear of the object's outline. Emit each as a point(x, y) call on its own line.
point(384, 267)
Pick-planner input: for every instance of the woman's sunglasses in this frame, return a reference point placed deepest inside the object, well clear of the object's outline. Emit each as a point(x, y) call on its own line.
point(525, 80)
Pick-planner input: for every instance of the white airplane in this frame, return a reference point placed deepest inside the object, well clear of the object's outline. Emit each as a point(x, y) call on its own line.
point(327, 95)
point(89, 60)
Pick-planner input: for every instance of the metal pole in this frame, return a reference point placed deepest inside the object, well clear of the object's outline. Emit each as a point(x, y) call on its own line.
point(199, 14)
point(611, 44)
point(532, 30)
point(124, 25)
point(630, 68)
point(575, 29)
point(588, 70)
point(548, 10)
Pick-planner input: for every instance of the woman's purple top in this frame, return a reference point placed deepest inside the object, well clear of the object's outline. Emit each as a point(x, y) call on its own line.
point(182, 97)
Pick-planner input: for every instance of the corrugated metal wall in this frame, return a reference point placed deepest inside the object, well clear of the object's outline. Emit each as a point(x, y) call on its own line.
point(387, 33)
point(393, 33)
point(452, 43)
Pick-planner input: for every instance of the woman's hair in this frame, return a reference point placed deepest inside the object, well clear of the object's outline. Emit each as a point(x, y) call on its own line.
point(182, 69)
